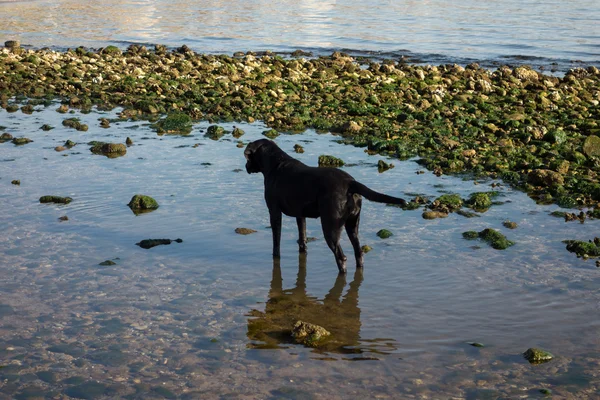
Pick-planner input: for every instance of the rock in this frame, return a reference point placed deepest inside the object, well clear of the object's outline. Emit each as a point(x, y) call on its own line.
point(366, 248)
point(110, 150)
point(215, 132)
point(46, 127)
point(330, 161)
point(149, 243)
point(141, 202)
point(63, 218)
point(545, 177)
point(21, 141)
point(467, 214)
point(382, 166)
point(510, 224)
point(128, 141)
point(55, 199)
point(16, 182)
point(298, 148)
point(384, 233)
point(476, 344)
point(271, 133)
point(75, 123)
point(175, 123)
point(11, 44)
point(309, 334)
point(591, 146)
point(60, 148)
point(432, 214)
point(495, 239)
point(104, 123)
point(237, 132)
point(244, 231)
point(480, 201)
point(447, 203)
point(350, 127)
point(107, 263)
point(537, 356)
point(584, 249)
point(470, 235)
point(6, 137)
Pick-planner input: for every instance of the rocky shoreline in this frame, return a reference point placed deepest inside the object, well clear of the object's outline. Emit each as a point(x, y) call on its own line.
point(537, 132)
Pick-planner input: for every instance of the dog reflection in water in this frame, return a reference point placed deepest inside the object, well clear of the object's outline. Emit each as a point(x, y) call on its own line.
point(339, 314)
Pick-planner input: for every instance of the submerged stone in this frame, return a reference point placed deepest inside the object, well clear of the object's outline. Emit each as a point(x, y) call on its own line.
point(308, 334)
point(432, 214)
point(537, 356)
point(244, 231)
point(495, 239)
point(470, 235)
point(298, 148)
point(510, 224)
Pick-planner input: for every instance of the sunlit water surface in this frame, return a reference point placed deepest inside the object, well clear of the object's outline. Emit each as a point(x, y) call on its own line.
point(202, 316)
point(552, 34)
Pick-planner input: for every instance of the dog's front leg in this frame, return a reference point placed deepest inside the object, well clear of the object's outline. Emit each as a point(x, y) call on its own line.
point(275, 215)
point(301, 234)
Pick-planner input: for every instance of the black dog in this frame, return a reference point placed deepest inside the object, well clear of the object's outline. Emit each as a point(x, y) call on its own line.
point(300, 191)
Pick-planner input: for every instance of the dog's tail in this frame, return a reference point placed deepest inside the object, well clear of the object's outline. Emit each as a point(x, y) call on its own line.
point(359, 188)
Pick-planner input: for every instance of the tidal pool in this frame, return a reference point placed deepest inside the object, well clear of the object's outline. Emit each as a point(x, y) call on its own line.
point(207, 318)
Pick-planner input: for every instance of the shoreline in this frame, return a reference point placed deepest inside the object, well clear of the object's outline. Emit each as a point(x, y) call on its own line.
point(536, 132)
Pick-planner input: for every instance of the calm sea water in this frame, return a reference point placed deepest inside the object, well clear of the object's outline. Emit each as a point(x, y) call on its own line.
point(552, 34)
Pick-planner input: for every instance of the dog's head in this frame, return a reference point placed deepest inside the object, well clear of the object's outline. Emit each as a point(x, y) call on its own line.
point(254, 153)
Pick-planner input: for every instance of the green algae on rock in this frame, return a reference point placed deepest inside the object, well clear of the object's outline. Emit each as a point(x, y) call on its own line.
point(501, 123)
point(384, 233)
point(584, 249)
point(494, 238)
point(366, 248)
point(215, 132)
point(110, 150)
point(537, 356)
point(55, 199)
point(382, 166)
point(447, 203)
point(75, 123)
point(308, 334)
point(330, 161)
point(481, 201)
point(174, 123)
point(271, 133)
point(141, 202)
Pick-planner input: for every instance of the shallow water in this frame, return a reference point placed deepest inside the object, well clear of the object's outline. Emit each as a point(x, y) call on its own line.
point(204, 317)
point(551, 34)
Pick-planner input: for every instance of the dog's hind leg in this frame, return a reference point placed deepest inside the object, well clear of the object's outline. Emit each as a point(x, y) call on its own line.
point(301, 234)
point(352, 231)
point(332, 235)
point(275, 216)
